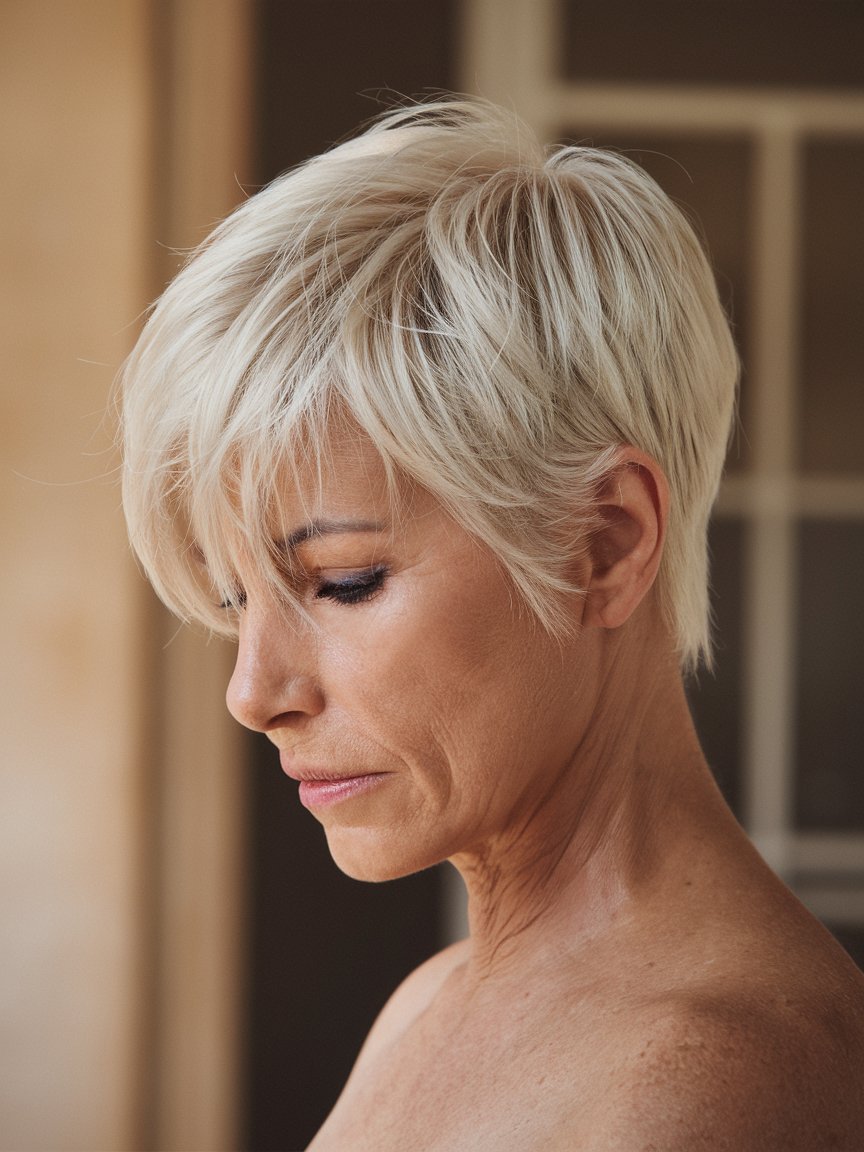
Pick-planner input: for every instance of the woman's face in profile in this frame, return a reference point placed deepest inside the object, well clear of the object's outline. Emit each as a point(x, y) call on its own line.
point(421, 707)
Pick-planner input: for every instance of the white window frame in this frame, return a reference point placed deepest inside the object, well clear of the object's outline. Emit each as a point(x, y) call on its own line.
point(509, 55)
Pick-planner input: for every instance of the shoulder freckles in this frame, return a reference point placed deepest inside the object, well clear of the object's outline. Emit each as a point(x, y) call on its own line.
point(722, 1076)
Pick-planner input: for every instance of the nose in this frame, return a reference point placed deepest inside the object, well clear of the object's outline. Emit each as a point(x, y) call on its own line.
point(274, 683)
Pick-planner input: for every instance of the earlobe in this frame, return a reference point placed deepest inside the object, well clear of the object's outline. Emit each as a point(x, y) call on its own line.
point(632, 508)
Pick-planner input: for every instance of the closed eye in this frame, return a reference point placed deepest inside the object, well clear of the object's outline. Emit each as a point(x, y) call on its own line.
point(354, 589)
point(236, 602)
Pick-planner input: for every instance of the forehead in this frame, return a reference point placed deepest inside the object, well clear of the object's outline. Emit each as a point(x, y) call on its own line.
point(346, 477)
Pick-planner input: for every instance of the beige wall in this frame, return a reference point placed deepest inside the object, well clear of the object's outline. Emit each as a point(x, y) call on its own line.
point(74, 147)
point(106, 980)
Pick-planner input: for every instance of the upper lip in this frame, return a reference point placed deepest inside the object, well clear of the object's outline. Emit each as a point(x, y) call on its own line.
point(308, 773)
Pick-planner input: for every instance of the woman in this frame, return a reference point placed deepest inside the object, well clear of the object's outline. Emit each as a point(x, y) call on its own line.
point(433, 425)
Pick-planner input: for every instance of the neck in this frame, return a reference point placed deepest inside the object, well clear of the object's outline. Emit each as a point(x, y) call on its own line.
point(604, 830)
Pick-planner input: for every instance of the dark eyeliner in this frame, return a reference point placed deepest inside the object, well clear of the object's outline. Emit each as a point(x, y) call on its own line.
point(354, 589)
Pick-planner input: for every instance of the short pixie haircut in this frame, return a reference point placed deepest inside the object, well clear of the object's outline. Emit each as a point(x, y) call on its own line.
point(496, 317)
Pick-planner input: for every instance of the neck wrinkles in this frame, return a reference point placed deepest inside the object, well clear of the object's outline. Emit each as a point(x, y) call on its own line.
point(571, 863)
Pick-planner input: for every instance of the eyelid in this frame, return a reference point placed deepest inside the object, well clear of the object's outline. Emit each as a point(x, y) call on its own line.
point(352, 584)
point(356, 587)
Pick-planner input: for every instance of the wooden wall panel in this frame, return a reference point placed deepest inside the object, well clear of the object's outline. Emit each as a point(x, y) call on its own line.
point(74, 149)
point(122, 132)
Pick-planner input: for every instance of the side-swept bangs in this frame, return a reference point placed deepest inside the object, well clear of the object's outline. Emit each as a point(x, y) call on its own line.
point(498, 322)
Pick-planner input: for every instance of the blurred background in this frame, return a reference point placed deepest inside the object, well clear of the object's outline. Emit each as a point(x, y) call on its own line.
point(181, 965)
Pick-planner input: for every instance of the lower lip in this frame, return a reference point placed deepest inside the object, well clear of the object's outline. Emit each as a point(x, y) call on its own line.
point(320, 793)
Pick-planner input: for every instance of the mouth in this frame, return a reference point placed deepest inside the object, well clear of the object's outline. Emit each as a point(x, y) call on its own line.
point(321, 793)
point(319, 788)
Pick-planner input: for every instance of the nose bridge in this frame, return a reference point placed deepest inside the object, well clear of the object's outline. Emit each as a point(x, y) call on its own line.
point(274, 672)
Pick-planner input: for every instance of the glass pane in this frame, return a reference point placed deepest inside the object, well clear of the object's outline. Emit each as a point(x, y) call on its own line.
point(710, 179)
point(715, 698)
point(830, 707)
point(832, 321)
point(763, 42)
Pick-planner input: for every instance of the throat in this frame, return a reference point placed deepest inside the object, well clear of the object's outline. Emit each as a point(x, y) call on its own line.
point(540, 912)
point(601, 835)
point(572, 871)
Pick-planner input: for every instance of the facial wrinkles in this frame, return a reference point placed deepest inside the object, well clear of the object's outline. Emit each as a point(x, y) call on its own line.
point(513, 790)
point(366, 725)
point(423, 724)
point(438, 680)
point(433, 724)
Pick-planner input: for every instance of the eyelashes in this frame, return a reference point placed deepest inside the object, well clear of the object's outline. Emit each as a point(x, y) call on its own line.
point(354, 589)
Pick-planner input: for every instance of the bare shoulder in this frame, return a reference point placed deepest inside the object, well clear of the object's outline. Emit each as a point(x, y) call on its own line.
point(412, 998)
point(740, 1073)
point(749, 1036)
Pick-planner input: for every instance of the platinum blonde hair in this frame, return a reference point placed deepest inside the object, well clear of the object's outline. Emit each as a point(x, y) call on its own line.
point(497, 318)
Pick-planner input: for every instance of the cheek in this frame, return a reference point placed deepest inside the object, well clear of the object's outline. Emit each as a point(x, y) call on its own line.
point(407, 691)
point(456, 692)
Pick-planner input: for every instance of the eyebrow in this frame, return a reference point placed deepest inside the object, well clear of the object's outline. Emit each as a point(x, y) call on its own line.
point(316, 528)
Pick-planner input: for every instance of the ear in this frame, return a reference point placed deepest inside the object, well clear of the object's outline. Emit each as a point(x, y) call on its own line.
point(633, 509)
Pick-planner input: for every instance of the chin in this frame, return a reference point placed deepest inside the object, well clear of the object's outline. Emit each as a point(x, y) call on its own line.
point(364, 854)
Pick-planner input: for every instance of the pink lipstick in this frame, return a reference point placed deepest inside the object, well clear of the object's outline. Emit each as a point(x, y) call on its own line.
point(320, 793)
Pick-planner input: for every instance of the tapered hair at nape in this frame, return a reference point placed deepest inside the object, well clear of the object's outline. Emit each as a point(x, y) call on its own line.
point(498, 318)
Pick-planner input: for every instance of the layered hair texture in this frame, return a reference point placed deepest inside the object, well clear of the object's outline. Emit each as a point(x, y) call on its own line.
point(498, 318)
